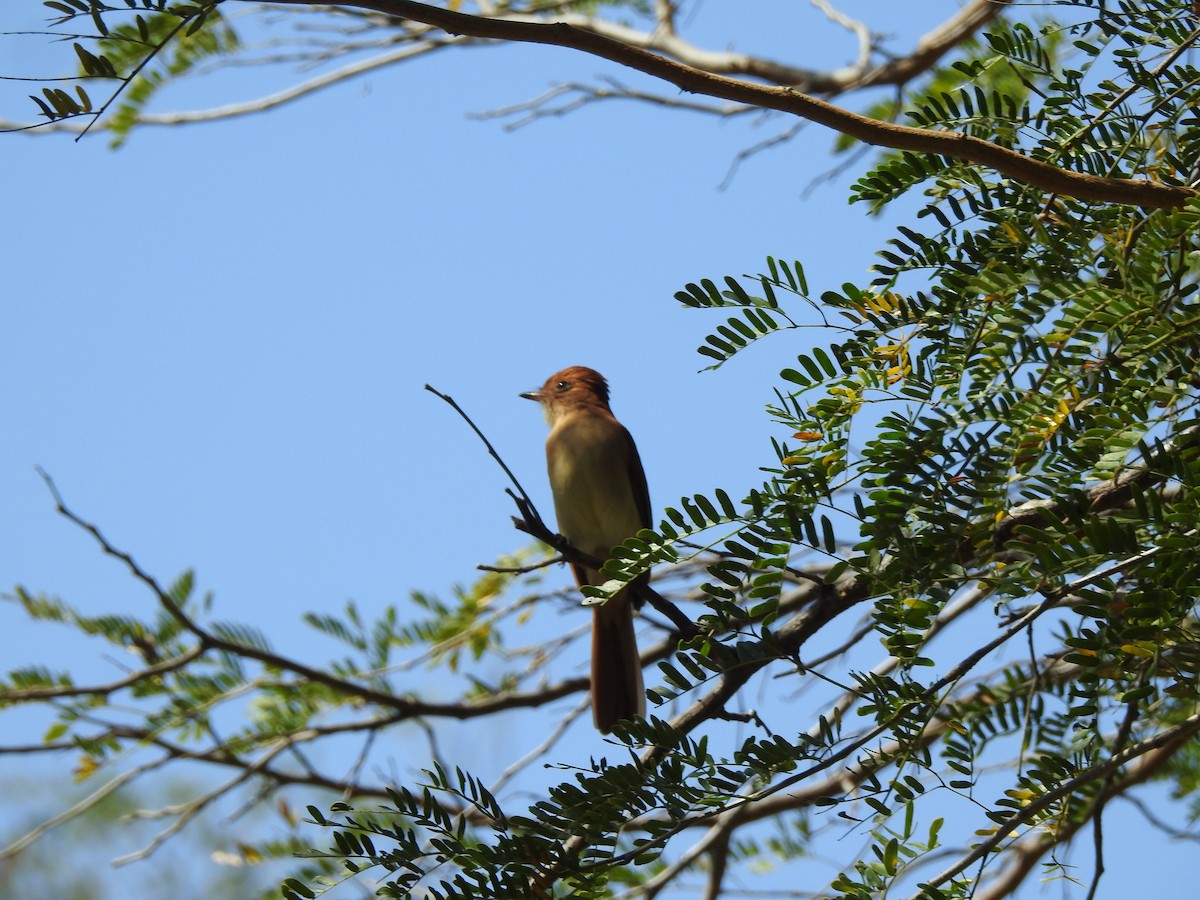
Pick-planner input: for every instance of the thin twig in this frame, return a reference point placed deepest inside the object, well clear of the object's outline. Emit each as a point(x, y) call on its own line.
point(541, 749)
point(524, 501)
point(520, 570)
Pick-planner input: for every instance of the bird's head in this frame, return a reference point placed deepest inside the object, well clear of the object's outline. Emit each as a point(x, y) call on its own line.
point(576, 387)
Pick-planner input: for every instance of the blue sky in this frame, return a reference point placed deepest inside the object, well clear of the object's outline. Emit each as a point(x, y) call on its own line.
point(222, 332)
point(216, 337)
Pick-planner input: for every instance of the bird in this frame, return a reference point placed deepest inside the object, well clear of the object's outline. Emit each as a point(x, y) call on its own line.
point(600, 500)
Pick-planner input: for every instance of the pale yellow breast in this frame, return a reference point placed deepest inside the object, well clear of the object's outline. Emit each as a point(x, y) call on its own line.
point(593, 499)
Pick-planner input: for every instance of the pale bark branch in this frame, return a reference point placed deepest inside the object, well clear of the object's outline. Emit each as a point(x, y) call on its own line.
point(703, 76)
point(663, 54)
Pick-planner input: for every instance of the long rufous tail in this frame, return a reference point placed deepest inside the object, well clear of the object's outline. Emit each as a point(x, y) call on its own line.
point(617, 691)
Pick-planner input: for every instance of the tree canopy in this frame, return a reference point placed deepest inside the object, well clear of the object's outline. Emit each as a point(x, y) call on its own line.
point(957, 615)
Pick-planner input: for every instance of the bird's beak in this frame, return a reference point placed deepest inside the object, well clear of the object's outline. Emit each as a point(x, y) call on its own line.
point(535, 396)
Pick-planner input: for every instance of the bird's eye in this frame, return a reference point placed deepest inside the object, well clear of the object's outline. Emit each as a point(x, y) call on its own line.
point(562, 385)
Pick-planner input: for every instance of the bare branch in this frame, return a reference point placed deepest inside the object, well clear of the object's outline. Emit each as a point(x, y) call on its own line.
point(77, 809)
point(664, 15)
point(616, 44)
point(542, 748)
point(859, 29)
point(523, 501)
point(662, 54)
point(576, 95)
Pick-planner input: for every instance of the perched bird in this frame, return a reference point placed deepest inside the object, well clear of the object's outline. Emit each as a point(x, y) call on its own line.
point(600, 499)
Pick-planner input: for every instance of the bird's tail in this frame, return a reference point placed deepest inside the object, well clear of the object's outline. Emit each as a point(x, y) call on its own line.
point(617, 691)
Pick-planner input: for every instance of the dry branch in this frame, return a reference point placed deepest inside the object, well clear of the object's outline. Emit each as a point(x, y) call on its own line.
point(1047, 177)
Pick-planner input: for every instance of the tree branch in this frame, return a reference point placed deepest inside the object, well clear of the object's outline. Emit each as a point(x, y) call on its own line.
point(1163, 742)
point(406, 707)
point(25, 695)
point(690, 78)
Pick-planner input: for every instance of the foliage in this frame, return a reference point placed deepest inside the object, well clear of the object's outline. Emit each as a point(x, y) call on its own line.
point(994, 438)
point(153, 43)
